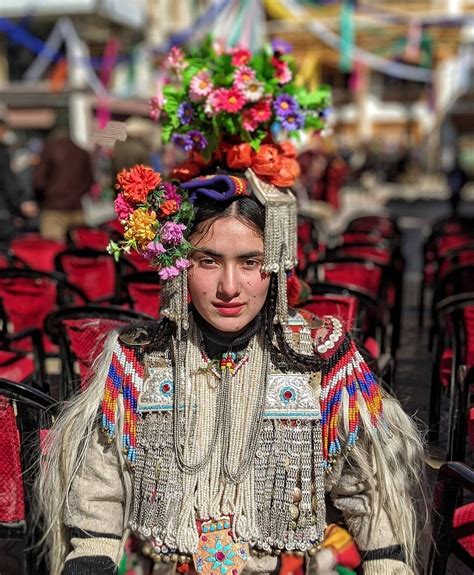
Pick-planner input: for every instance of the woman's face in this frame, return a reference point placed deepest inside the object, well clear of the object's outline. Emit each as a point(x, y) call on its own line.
point(225, 280)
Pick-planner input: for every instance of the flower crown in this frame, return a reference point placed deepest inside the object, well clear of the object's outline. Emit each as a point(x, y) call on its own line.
point(156, 215)
point(223, 105)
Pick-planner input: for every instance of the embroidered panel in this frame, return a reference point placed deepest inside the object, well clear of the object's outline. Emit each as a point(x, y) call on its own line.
point(158, 392)
point(290, 396)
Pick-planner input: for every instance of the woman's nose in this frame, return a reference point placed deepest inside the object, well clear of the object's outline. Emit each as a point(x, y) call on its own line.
point(229, 283)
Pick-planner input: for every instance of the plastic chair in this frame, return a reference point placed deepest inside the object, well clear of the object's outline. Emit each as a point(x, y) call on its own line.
point(142, 292)
point(25, 413)
point(26, 298)
point(453, 348)
point(94, 272)
point(80, 333)
point(88, 237)
point(453, 522)
point(36, 252)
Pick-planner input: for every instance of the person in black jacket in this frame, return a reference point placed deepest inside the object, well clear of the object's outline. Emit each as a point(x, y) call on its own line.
point(10, 191)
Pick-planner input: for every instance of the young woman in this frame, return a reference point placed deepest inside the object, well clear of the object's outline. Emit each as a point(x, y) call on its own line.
point(230, 435)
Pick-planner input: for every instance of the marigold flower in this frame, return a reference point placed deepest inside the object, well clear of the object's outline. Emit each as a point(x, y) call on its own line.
point(137, 182)
point(168, 207)
point(141, 227)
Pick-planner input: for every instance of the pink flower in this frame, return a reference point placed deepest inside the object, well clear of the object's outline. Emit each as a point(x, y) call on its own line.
point(169, 272)
point(172, 233)
point(240, 56)
point(248, 121)
point(175, 60)
point(262, 111)
point(282, 71)
point(201, 85)
point(218, 45)
point(123, 208)
point(154, 249)
point(171, 192)
point(181, 264)
point(210, 105)
point(229, 100)
point(243, 76)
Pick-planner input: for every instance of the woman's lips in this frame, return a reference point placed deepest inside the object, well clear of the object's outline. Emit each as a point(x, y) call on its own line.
point(231, 309)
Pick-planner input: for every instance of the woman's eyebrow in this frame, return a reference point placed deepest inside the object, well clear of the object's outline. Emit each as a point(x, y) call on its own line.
point(214, 254)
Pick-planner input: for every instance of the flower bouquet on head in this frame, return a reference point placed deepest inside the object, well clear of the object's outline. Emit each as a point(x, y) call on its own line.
point(222, 106)
point(154, 215)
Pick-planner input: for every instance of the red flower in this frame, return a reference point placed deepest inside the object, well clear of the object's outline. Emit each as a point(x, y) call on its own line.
point(289, 171)
point(239, 157)
point(137, 182)
point(240, 56)
point(186, 171)
point(168, 207)
point(267, 161)
point(228, 99)
point(262, 111)
point(287, 149)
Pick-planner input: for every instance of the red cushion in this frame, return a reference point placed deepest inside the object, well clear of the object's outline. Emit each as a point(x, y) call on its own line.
point(146, 297)
point(446, 366)
point(141, 264)
point(468, 316)
point(372, 346)
point(36, 251)
point(360, 275)
point(15, 367)
point(463, 524)
point(340, 306)
point(95, 275)
point(12, 506)
point(447, 243)
point(90, 238)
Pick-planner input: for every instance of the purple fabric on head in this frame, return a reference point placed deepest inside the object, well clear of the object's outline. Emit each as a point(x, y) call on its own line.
point(219, 188)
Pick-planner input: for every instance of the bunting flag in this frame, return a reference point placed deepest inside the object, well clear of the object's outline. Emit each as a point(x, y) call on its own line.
point(347, 36)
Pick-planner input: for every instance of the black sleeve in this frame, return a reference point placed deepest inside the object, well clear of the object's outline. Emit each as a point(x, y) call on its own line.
point(98, 565)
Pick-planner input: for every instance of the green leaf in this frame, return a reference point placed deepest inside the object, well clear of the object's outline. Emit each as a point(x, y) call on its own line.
point(166, 132)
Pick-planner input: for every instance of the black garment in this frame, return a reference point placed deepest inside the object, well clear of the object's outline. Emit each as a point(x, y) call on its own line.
point(96, 565)
point(218, 342)
point(457, 178)
point(10, 195)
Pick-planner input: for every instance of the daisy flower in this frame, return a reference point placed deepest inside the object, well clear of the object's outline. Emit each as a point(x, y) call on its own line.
point(198, 139)
point(293, 121)
point(185, 112)
point(243, 76)
point(262, 111)
point(183, 141)
point(284, 105)
point(240, 56)
point(253, 91)
point(229, 100)
point(200, 86)
point(249, 123)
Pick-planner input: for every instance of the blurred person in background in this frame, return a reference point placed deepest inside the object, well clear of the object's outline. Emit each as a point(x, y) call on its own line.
point(63, 175)
point(11, 195)
point(457, 179)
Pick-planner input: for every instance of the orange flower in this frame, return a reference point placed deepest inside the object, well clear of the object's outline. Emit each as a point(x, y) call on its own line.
point(289, 171)
point(186, 171)
point(239, 156)
point(287, 149)
point(141, 227)
point(267, 161)
point(168, 207)
point(137, 182)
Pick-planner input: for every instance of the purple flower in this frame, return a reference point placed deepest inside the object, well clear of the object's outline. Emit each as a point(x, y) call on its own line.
point(171, 192)
point(294, 121)
point(285, 105)
point(154, 249)
point(280, 46)
point(198, 139)
point(181, 264)
point(169, 272)
point(185, 112)
point(172, 233)
point(182, 140)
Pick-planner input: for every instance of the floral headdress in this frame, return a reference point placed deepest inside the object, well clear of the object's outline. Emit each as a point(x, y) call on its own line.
point(224, 107)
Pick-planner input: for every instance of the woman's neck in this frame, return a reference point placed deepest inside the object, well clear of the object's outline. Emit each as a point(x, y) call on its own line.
point(219, 342)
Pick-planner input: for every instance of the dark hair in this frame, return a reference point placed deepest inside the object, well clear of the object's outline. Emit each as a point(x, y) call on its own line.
point(243, 208)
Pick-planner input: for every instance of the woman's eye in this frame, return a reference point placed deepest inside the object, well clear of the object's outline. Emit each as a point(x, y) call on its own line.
point(252, 264)
point(207, 262)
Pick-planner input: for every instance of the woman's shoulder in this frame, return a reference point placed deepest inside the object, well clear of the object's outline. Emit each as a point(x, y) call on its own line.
point(143, 334)
point(327, 332)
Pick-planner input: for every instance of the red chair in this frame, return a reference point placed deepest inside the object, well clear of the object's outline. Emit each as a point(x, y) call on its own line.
point(142, 292)
point(36, 252)
point(80, 333)
point(24, 415)
point(453, 521)
point(26, 298)
point(88, 237)
point(94, 272)
point(344, 307)
point(137, 262)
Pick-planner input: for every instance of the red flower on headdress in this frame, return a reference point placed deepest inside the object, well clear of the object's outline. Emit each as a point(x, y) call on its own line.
point(168, 207)
point(239, 156)
point(240, 56)
point(267, 161)
point(289, 171)
point(287, 149)
point(186, 171)
point(137, 182)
